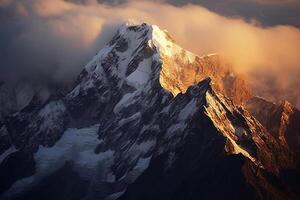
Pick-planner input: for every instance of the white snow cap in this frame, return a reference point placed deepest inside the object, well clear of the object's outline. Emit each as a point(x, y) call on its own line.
point(160, 39)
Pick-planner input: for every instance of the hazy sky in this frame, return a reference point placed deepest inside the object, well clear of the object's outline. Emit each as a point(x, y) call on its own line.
point(51, 40)
point(268, 12)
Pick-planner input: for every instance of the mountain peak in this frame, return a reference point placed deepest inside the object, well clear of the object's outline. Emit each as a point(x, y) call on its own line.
point(143, 107)
point(141, 53)
point(158, 37)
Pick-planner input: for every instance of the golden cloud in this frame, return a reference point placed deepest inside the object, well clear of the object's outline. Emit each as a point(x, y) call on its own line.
point(249, 46)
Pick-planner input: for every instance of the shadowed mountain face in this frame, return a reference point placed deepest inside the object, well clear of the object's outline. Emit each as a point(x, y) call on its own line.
point(147, 119)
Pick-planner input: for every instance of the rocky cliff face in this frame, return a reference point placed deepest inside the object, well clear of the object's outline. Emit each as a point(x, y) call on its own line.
point(146, 119)
point(281, 120)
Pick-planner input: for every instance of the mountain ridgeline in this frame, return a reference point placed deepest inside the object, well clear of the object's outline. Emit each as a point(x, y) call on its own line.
point(147, 119)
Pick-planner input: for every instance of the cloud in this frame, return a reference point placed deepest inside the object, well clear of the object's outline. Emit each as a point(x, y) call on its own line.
point(278, 1)
point(54, 38)
point(267, 12)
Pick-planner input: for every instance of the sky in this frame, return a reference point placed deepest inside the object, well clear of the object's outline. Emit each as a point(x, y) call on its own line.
point(267, 12)
point(49, 41)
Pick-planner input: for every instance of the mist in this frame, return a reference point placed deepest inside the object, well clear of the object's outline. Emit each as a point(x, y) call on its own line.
point(50, 40)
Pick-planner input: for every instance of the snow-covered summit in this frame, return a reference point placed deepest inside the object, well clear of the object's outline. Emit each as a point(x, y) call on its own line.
point(130, 37)
point(156, 36)
point(142, 108)
point(178, 68)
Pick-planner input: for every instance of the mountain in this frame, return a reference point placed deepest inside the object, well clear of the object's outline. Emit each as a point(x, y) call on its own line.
point(14, 96)
point(146, 119)
point(281, 120)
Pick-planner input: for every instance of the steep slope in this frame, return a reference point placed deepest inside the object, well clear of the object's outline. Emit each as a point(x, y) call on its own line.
point(134, 124)
point(281, 120)
point(182, 69)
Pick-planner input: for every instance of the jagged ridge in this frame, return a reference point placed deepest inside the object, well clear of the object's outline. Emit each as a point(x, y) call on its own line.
point(126, 93)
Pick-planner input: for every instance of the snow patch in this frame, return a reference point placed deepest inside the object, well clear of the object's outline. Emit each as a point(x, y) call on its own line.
point(125, 101)
point(167, 47)
point(141, 75)
point(142, 164)
point(188, 110)
point(77, 145)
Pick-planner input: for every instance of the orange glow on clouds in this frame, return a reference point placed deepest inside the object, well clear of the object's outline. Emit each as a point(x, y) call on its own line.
point(249, 46)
